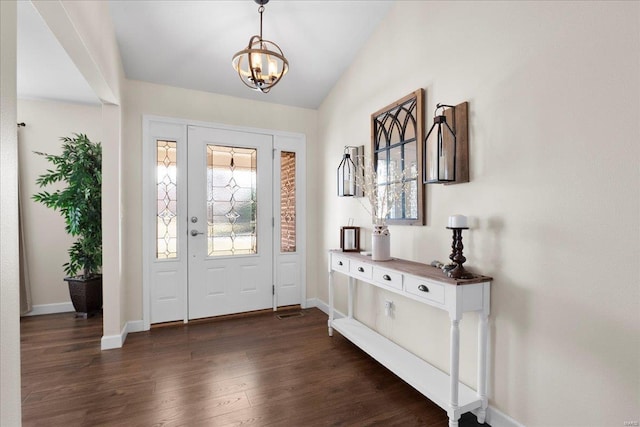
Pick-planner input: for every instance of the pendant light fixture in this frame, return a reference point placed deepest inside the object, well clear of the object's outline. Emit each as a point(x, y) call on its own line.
point(262, 64)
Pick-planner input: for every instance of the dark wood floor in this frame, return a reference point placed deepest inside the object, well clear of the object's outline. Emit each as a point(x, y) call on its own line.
point(257, 370)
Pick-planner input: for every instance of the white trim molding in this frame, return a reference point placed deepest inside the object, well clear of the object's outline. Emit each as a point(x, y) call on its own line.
point(495, 418)
point(60, 307)
point(109, 342)
point(135, 326)
point(324, 307)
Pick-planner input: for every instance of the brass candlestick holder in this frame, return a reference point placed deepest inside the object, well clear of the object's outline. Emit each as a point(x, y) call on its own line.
point(458, 272)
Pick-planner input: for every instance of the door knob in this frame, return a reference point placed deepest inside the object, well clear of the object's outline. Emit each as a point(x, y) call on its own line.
point(195, 233)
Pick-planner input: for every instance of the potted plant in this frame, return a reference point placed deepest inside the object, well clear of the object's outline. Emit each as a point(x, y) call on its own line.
point(79, 202)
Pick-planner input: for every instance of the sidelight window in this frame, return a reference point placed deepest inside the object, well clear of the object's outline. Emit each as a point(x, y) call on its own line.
point(287, 201)
point(167, 200)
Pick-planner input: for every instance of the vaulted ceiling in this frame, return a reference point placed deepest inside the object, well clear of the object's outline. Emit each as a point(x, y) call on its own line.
point(189, 44)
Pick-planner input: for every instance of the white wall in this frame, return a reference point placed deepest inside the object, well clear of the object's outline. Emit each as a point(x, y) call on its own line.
point(45, 237)
point(85, 31)
point(147, 98)
point(10, 411)
point(553, 90)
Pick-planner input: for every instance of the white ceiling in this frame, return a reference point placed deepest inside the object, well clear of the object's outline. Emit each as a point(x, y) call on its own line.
point(190, 44)
point(44, 70)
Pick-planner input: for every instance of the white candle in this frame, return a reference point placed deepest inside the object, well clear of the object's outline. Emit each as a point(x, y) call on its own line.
point(273, 68)
point(458, 221)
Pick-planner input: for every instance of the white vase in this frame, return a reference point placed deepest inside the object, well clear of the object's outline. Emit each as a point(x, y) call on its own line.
point(380, 243)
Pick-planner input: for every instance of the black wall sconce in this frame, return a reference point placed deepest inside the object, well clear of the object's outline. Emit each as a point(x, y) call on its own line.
point(445, 153)
point(348, 185)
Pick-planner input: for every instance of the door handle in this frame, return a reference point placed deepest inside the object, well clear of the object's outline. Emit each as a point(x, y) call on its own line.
point(194, 233)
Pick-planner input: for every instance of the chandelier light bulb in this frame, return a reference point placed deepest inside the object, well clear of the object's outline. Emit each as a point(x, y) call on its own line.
point(273, 68)
point(256, 62)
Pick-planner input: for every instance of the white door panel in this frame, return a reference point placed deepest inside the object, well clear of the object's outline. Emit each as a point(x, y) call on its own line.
point(230, 266)
point(288, 281)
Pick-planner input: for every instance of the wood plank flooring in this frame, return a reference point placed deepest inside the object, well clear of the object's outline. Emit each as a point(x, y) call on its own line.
point(249, 371)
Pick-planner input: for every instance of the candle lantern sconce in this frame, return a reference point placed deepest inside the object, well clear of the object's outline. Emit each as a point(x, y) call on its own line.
point(445, 154)
point(348, 169)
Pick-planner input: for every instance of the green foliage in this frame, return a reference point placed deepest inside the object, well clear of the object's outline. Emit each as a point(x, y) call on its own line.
point(79, 166)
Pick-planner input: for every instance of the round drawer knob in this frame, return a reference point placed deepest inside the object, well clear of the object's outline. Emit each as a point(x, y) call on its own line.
point(339, 262)
point(361, 270)
point(423, 288)
point(386, 277)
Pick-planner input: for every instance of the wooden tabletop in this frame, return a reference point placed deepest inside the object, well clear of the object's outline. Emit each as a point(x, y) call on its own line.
point(414, 268)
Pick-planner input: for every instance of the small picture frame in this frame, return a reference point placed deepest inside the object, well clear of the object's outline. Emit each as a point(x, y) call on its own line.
point(350, 239)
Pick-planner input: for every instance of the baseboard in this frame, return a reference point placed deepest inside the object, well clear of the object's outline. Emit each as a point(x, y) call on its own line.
point(40, 309)
point(315, 302)
point(135, 326)
point(324, 307)
point(495, 418)
point(109, 342)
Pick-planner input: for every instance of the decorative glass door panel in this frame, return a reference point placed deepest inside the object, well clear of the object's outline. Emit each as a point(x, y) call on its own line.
point(231, 201)
point(167, 206)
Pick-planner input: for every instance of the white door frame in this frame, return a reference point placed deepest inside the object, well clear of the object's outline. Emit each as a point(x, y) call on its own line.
point(283, 141)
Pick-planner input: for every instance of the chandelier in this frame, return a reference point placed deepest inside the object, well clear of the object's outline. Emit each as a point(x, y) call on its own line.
point(262, 64)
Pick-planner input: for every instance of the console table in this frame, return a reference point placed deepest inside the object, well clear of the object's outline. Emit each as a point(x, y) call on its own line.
point(430, 286)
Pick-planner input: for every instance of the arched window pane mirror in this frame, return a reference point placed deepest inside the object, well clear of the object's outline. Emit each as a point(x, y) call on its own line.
point(397, 131)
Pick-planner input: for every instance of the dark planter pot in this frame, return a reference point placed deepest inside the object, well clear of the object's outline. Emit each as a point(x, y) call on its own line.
point(86, 295)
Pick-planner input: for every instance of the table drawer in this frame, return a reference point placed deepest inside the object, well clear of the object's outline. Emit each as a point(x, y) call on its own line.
point(386, 277)
point(361, 269)
point(424, 288)
point(339, 263)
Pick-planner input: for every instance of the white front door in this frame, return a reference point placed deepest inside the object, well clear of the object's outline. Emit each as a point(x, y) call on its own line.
point(241, 192)
point(229, 221)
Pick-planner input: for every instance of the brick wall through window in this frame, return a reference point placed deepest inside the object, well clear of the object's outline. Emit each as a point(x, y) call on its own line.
point(287, 201)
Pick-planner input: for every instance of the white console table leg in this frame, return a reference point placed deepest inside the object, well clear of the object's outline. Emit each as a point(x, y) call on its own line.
point(454, 362)
point(482, 364)
point(330, 302)
point(350, 298)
